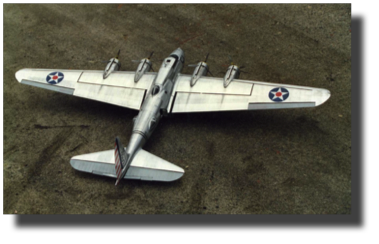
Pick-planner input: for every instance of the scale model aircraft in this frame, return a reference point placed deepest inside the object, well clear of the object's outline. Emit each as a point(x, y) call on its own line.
point(155, 94)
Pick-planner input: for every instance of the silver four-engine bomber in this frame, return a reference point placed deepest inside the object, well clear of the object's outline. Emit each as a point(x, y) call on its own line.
point(155, 94)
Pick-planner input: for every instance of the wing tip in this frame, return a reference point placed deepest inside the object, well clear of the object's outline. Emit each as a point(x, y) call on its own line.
point(74, 162)
point(19, 75)
point(325, 95)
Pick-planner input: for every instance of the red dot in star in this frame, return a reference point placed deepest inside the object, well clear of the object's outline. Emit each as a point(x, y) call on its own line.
point(55, 77)
point(278, 94)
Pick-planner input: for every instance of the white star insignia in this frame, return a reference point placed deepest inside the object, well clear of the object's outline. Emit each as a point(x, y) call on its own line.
point(279, 94)
point(57, 77)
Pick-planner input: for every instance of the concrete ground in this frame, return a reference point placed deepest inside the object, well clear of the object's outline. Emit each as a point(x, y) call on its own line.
point(260, 162)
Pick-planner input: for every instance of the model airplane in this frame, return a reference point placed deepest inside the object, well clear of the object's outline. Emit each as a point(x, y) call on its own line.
point(155, 94)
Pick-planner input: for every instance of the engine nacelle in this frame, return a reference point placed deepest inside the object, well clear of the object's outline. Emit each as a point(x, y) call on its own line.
point(143, 67)
point(113, 65)
point(232, 73)
point(201, 69)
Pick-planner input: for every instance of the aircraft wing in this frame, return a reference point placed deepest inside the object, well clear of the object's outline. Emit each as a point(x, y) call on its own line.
point(209, 94)
point(118, 89)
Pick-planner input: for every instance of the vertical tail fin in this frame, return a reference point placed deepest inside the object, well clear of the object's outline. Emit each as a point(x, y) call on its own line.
point(120, 160)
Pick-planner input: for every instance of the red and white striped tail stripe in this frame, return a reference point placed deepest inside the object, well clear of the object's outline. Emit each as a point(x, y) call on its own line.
point(117, 161)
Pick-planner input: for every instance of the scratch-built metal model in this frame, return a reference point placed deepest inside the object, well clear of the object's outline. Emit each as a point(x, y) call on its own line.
point(155, 94)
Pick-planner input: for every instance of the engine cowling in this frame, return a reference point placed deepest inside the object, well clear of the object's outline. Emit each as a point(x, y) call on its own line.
point(143, 67)
point(201, 69)
point(232, 73)
point(112, 65)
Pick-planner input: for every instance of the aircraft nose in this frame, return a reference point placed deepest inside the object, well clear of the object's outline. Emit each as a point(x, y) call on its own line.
point(178, 52)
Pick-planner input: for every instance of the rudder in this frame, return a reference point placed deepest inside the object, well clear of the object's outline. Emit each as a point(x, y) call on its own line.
point(120, 160)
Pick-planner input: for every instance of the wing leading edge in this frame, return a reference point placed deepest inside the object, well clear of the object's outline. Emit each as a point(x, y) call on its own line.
point(209, 94)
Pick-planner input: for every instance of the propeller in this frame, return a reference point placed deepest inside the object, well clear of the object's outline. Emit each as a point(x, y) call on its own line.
point(137, 61)
point(241, 67)
point(151, 54)
point(106, 61)
point(195, 65)
point(206, 58)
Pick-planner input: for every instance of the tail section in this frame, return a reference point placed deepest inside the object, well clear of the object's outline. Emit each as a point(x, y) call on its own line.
point(120, 157)
point(144, 166)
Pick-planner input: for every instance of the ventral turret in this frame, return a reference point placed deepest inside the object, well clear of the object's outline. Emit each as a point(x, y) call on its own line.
point(113, 65)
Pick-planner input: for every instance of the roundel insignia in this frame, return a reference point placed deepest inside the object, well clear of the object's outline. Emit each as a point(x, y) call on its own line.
point(54, 77)
point(279, 94)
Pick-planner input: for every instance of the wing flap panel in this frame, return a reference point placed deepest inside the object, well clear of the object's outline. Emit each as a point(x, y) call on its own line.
point(121, 96)
point(196, 102)
point(212, 86)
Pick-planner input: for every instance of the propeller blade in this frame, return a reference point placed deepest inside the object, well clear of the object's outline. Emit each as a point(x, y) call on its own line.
point(152, 68)
point(135, 61)
point(242, 67)
point(151, 54)
point(119, 50)
point(192, 65)
point(206, 58)
point(209, 72)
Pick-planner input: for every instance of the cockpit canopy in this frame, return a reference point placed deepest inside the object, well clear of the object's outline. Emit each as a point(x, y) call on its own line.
point(176, 59)
point(155, 90)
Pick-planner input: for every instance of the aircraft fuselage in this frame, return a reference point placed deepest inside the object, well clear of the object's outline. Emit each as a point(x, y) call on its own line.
point(156, 101)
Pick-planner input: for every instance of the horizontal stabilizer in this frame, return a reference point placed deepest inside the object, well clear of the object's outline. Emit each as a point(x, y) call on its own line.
point(145, 166)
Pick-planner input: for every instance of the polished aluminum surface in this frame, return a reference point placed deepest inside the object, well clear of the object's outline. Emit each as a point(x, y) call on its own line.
point(143, 67)
point(201, 69)
point(233, 72)
point(239, 95)
point(113, 65)
point(154, 95)
point(145, 166)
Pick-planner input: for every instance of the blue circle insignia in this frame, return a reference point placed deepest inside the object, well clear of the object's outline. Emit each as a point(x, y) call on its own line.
point(279, 94)
point(54, 77)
